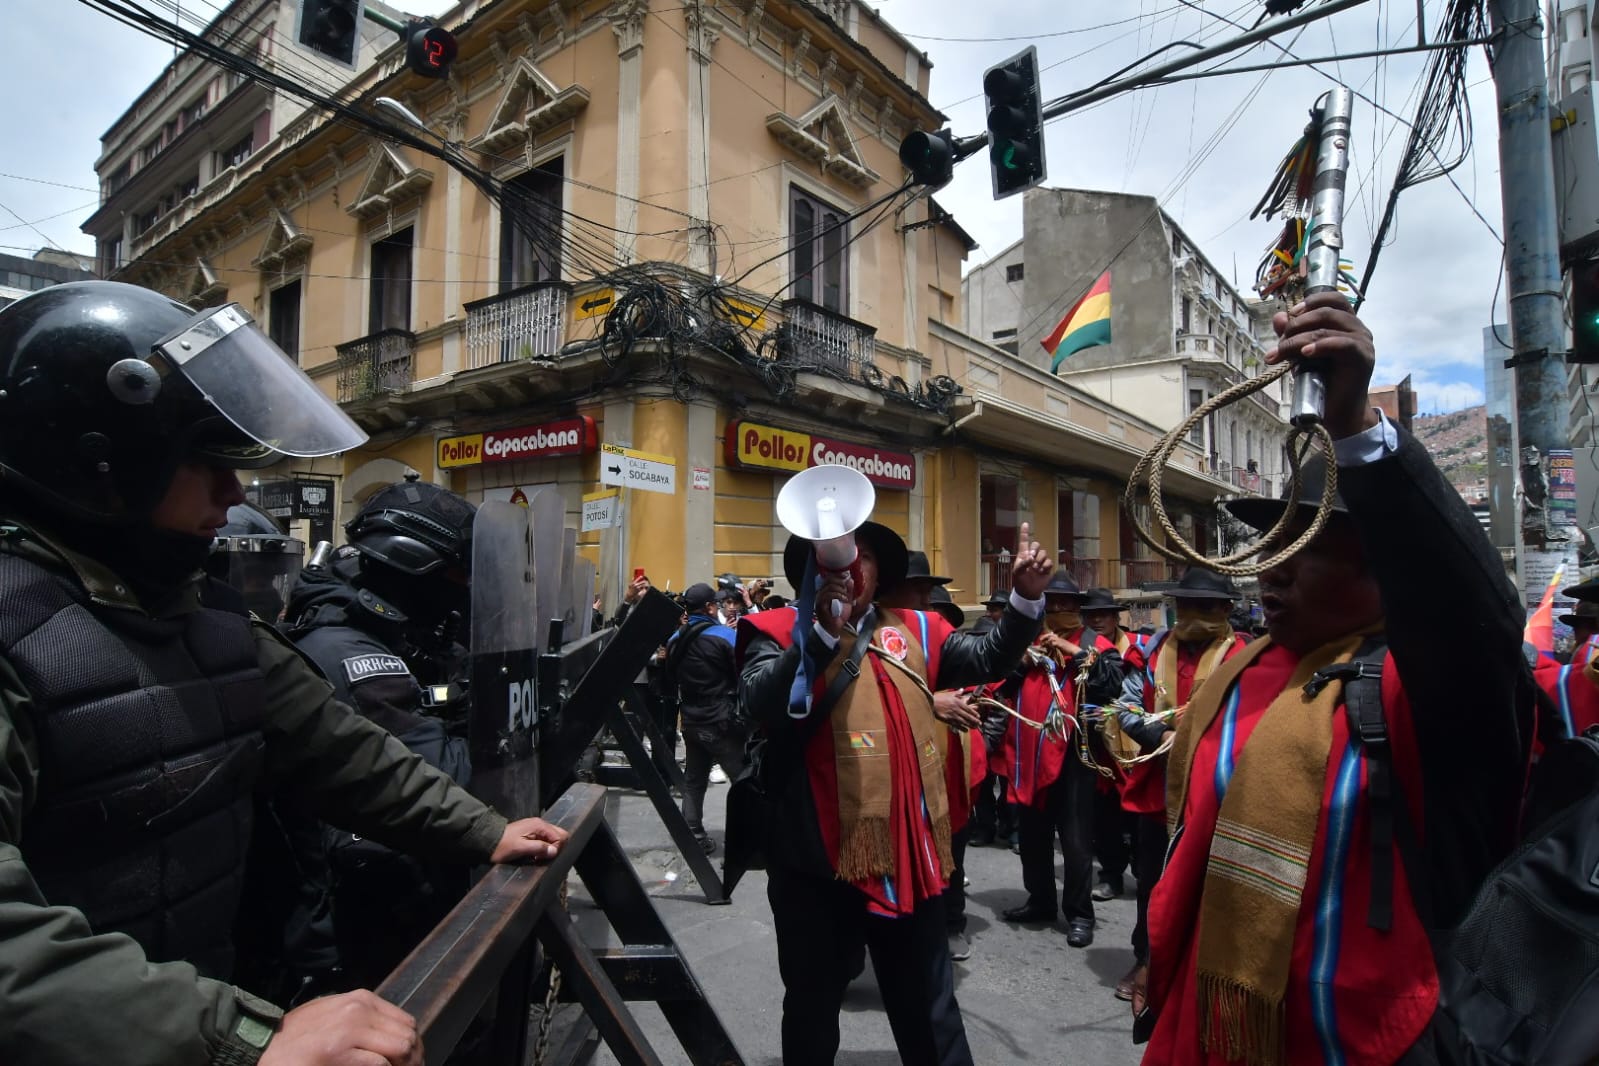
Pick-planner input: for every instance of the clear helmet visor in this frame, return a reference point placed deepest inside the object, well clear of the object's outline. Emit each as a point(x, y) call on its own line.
point(256, 387)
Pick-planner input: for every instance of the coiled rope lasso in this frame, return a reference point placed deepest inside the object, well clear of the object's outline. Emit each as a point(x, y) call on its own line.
point(1148, 475)
point(1306, 259)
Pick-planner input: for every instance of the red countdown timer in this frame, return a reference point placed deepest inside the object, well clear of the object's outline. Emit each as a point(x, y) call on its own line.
point(430, 50)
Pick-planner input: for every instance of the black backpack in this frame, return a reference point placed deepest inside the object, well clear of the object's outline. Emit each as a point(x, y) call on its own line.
point(1519, 974)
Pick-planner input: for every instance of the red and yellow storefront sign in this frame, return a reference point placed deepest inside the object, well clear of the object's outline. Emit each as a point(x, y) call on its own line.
point(754, 446)
point(551, 440)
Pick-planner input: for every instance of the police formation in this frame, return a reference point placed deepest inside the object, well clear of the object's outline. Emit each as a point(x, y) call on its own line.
point(1336, 853)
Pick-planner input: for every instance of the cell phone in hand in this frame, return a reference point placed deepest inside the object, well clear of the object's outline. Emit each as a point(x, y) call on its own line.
point(638, 572)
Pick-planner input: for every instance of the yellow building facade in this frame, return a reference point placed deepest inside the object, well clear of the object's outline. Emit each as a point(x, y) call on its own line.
point(695, 261)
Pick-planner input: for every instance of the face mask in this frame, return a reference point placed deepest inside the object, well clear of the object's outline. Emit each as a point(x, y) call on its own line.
point(1197, 625)
point(1064, 621)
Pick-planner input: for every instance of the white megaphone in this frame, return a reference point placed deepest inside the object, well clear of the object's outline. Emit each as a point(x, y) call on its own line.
point(826, 505)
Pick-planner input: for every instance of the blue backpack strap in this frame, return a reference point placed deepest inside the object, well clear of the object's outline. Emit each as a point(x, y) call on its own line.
point(1368, 727)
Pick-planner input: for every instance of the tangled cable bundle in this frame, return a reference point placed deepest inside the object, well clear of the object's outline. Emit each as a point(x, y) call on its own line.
point(1307, 189)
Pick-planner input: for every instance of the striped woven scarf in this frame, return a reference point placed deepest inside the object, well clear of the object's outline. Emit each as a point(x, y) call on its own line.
point(1260, 853)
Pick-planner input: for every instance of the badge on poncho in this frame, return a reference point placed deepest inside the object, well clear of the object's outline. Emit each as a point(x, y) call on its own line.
point(861, 740)
point(893, 642)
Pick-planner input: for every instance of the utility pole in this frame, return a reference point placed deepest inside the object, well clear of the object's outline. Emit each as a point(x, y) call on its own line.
point(1532, 262)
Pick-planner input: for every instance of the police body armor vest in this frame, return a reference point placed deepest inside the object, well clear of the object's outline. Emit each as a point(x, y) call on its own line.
point(149, 745)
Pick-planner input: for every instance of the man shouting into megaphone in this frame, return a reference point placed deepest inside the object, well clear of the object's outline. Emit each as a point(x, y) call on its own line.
point(858, 847)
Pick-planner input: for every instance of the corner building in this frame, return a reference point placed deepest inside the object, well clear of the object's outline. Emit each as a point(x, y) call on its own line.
point(697, 279)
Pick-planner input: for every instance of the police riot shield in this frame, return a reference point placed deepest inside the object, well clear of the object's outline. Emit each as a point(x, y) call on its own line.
point(570, 615)
point(583, 585)
point(503, 734)
point(548, 511)
point(262, 569)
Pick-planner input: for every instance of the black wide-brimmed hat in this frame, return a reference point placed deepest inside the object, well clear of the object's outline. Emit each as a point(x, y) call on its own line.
point(1199, 583)
point(1585, 611)
point(892, 557)
point(1588, 590)
point(1262, 514)
point(916, 565)
point(1101, 599)
point(997, 599)
point(1061, 584)
point(948, 607)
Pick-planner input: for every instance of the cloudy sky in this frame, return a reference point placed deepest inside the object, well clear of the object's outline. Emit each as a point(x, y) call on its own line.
point(1206, 148)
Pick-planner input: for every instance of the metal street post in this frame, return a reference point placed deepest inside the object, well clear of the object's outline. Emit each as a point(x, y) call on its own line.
point(1532, 260)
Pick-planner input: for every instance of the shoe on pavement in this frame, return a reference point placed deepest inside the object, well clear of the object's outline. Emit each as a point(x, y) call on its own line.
point(1029, 913)
point(1107, 890)
point(982, 839)
point(1080, 932)
point(960, 948)
point(1133, 982)
point(718, 776)
point(707, 844)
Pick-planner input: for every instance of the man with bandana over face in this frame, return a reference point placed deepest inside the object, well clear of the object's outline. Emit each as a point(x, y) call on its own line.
point(1050, 783)
point(142, 709)
point(1178, 660)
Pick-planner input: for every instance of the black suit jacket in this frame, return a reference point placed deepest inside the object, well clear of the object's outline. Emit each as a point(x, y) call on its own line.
point(1454, 627)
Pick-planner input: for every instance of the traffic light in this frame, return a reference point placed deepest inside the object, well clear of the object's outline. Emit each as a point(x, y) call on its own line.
point(1015, 124)
point(331, 29)
point(930, 157)
point(1584, 312)
point(429, 50)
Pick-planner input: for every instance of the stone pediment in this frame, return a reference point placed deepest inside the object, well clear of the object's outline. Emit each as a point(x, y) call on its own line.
point(530, 104)
point(284, 242)
point(205, 288)
point(390, 180)
point(822, 135)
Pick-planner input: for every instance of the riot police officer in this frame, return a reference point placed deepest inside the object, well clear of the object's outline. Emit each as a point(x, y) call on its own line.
point(140, 711)
point(381, 621)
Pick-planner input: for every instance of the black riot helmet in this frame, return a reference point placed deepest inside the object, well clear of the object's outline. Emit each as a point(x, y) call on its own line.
point(253, 554)
point(415, 541)
point(105, 389)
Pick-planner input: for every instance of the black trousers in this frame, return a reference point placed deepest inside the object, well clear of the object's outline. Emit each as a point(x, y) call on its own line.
point(1067, 811)
point(1149, 858)
point(955, 892)
point(722, 744)
point(1113, 830)
point(992, 817)
point(820, 926)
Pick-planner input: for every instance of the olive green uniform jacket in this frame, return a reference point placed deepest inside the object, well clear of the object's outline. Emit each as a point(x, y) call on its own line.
point(69, 996)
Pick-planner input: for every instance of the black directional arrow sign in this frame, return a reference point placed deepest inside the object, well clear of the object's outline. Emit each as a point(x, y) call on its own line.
point(617, 470)
point(594, 303)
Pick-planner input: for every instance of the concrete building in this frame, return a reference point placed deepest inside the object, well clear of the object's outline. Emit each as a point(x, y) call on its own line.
point(677, 259)
point(1398, 402)
point(20, 275)
point(1181, 333)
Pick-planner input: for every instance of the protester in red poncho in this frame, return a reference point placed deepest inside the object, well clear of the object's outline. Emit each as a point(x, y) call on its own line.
point(1115, 831)
point(1279, 931)
point(1178, 661)
point(1050, 782)
point(858, 842)
point(1574, 685)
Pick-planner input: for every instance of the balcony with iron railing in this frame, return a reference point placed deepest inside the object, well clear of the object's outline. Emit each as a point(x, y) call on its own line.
point(812, 336)
point(379, 363)
point(524, 323)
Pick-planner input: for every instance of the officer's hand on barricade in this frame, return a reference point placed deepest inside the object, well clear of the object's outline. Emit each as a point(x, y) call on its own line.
point(350, 1029)
point(958, 710)
point(529, 840)
point(1030, 572)
point(1324, 331)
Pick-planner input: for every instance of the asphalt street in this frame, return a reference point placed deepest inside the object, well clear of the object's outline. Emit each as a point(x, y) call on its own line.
point(1025, 995)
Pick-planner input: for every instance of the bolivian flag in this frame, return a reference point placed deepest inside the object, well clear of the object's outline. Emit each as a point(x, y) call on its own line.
point(1085, 325)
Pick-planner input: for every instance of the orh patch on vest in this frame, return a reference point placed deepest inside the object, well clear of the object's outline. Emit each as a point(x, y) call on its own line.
point(362, 667)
